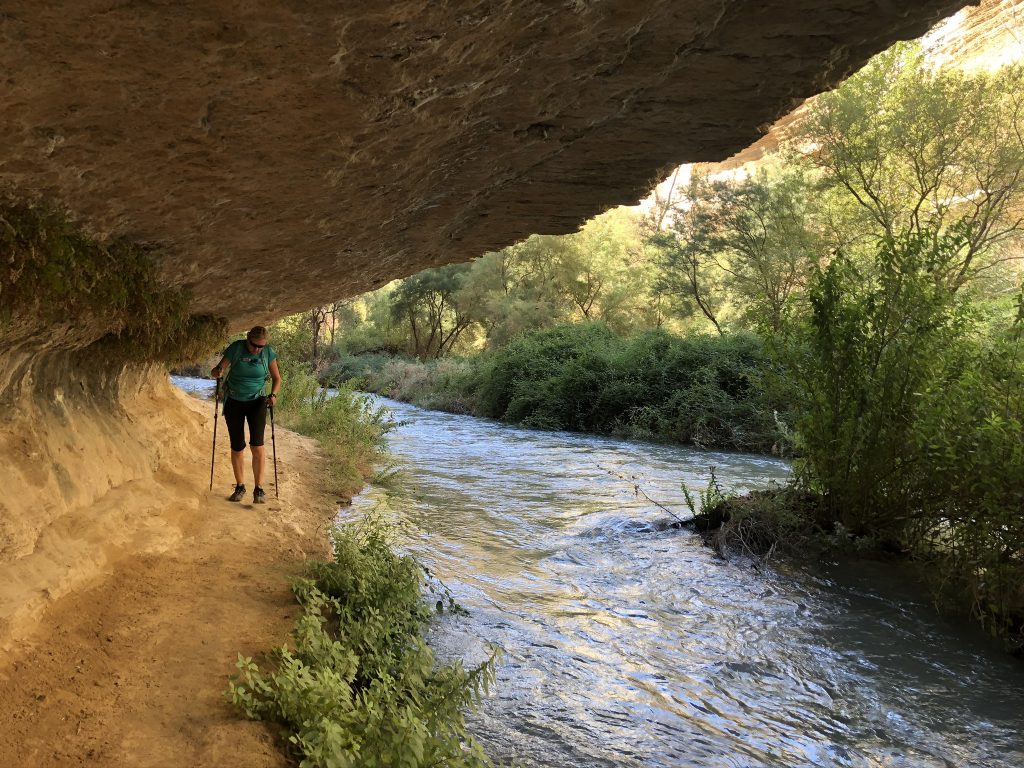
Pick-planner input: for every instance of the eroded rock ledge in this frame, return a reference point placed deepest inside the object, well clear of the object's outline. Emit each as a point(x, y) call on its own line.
point(281, 154)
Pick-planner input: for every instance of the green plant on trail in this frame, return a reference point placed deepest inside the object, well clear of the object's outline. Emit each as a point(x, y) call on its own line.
point(350, 427)
point(52, 273)
point(361, 687)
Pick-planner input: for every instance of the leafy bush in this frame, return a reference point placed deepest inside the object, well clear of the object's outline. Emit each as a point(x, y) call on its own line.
point(357, 370)
point(912, 419)
point(439, 384)
point(967, 438)
point(361, 686)
point(702, 390)
point(708, 391)
point(877, 340)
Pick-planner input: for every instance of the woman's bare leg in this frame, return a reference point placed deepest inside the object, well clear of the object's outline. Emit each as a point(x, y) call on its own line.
point(258, 455)
point(238, 466)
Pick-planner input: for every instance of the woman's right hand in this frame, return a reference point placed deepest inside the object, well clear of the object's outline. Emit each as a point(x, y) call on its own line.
point(216, 372)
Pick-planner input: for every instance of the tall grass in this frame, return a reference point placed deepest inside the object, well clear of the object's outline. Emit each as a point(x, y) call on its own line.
point(350, 428)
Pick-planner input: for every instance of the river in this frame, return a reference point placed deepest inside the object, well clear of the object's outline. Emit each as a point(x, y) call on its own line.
point(627, 642)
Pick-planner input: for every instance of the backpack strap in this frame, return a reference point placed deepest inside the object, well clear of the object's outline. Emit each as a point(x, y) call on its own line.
point(266, 365)
point(231, 353)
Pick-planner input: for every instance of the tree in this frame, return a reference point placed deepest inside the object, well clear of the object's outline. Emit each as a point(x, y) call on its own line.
point(750, 242)
point(427, 302)
point(318, 318)
point(919, 150)
point(688, 269)
point(598, 273)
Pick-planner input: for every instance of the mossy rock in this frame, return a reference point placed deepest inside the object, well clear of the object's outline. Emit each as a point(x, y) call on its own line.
point(51, 272)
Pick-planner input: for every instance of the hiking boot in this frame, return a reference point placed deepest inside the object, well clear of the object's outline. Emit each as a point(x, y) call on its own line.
point(238, 494)
point(258, 496)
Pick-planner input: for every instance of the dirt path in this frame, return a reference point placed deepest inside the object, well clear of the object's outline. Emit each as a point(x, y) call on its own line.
point(131, 671)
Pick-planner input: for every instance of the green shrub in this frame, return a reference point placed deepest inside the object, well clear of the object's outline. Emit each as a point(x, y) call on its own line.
point(970, 492)
point(357, 370)
point(877, 340)
point(439, 384)
point(702, 390)
point(361, 687)
point(912, 417)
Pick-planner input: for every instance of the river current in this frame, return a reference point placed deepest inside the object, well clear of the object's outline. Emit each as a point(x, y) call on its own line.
point(626, 642)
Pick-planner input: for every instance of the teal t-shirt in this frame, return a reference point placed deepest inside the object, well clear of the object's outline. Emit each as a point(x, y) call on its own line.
point(248, 372)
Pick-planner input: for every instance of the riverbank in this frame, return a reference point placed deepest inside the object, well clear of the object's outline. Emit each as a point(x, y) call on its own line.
point(130, 667)
point(716, 393)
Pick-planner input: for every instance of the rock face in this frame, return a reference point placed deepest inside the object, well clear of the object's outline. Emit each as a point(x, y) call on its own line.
point(982, 36)
point(281, 154)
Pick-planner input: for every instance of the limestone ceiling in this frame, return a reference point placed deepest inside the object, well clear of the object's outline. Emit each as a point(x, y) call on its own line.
point(282, 154)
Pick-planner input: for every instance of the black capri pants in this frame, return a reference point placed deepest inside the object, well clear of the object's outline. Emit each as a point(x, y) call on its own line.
point(237, 412)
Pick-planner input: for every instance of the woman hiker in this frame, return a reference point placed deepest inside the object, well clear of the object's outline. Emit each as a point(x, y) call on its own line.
point(249, 362)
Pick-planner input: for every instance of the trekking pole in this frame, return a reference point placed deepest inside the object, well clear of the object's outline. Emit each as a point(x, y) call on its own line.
point(216, 403)
point(273, 445)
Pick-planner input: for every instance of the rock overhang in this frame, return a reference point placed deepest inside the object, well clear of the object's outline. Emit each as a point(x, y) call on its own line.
point(278, 155)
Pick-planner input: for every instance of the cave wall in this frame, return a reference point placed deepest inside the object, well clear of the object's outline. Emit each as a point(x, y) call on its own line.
point(89, 476)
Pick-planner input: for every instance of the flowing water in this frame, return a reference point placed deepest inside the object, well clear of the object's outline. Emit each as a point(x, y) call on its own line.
point(627, 642)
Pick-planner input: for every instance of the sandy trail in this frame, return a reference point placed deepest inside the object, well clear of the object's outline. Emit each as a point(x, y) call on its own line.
point(131, 670)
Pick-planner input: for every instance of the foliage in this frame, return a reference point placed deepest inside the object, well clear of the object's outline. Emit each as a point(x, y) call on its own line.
point(50, 271)
point(750, 242)
point(920, 150)
point(358, 370)
point(711, 497)
point(427, 303)
point(361, 686)
point(700, 390)
point(350, 428)
point(971, 497)
point(598, 273)
point(785, 520)
point(444, 385)
point(910, 427)
point(291, 339)
point(876, 340)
